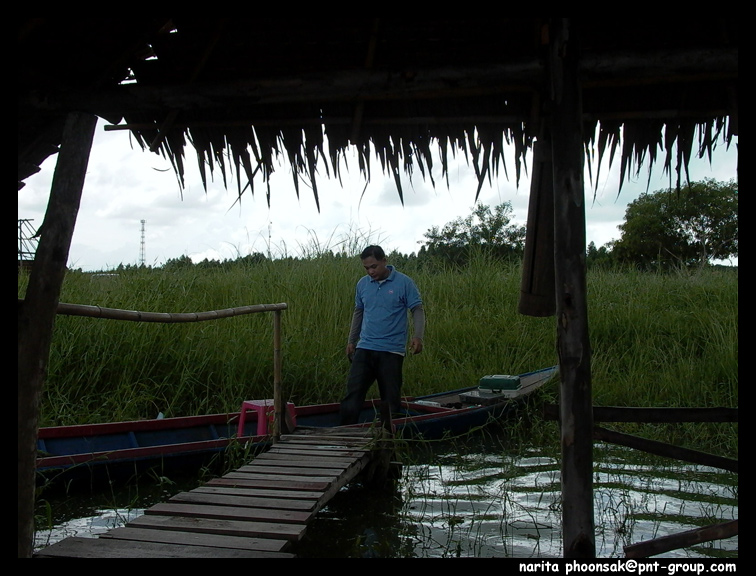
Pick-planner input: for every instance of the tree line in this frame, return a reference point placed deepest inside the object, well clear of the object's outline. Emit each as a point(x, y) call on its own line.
point(666, 229)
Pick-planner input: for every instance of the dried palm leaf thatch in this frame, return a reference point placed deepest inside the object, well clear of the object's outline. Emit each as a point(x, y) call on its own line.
point(254, 152)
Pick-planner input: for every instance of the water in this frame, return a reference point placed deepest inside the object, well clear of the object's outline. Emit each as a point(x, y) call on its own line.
point(487, 503)
point(63, 514)
point(473, 499)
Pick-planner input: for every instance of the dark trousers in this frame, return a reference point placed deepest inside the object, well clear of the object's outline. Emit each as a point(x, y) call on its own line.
point(369, 366)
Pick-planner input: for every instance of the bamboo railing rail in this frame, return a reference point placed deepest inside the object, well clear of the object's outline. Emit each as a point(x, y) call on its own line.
point(665, 449)
point(653, 415)
point(164, 317)
point(172, 318)
point(682, 540)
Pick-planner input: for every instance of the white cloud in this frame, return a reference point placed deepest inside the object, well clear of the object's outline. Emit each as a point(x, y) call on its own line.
point(125, 185)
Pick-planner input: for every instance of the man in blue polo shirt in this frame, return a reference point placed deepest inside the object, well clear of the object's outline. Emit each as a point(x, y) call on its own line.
point(378, 333)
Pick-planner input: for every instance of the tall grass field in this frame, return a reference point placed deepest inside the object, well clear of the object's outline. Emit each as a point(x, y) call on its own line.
point(657, 339)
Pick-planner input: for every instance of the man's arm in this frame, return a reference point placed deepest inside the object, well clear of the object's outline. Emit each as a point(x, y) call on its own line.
point(354, 330)
point(418, 323)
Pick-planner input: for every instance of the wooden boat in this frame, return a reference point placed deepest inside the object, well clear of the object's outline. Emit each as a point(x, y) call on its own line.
point(186, 442)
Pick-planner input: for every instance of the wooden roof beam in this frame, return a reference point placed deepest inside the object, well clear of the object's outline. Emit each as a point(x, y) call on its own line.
point(662, 68)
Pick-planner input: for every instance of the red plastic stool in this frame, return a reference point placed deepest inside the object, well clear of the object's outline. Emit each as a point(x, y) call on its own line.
point(265, 415)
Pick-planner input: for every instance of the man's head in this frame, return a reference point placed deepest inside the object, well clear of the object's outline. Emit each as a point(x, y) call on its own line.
point(374, 260)
point(374, 251)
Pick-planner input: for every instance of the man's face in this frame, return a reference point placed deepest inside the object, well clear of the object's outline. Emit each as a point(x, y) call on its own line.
point(376, 269)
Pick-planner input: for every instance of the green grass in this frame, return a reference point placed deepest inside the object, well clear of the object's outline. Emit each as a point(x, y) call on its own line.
point(657, 339)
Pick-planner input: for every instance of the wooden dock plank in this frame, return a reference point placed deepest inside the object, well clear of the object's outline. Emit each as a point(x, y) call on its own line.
point(301, 461)
point(325, 443)
point(78, 547)
point(338, 441)
point(291, 451)
point(291, 470)
point(273, 477)
point(196, 539)
point(318, 498)
point(246, 481)
point(323, 449)
point(259, 492)
point(274, 530)
point(195, 497)
point(192, 510)
point(357, 433)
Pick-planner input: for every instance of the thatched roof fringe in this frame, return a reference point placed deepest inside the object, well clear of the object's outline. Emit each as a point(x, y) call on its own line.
point(173, 146)
point(241, 161)
point(491, 143)
point(444, 158)
point(641, 142)
point(253, 150)
point(424, 143)
point(680, 138)
point(210, 146)
point(609, 137)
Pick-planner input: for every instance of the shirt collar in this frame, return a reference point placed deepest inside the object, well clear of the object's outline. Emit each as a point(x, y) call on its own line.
point(390, 268)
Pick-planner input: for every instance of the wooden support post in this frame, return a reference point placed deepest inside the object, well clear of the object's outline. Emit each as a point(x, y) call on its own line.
point(383, 467)
point(573, 345)
point(278, 402)
point(36, 317)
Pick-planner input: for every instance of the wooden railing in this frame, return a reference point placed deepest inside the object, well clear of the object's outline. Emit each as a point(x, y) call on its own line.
point(170, 318)
point(660, 415)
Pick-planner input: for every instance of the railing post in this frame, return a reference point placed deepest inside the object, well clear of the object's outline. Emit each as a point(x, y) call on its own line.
point(278, 405)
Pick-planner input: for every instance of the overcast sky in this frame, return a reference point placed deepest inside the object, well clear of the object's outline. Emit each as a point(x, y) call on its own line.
point(125, 185)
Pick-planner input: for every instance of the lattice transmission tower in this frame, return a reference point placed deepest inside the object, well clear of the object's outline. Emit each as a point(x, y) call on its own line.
point(27, 241)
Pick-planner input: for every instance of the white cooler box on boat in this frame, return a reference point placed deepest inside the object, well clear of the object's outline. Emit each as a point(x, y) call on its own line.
point(493, 388)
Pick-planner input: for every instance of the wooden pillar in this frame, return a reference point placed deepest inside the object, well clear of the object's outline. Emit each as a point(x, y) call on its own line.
point(36, 317)
point(576, 413)
point(279, 406)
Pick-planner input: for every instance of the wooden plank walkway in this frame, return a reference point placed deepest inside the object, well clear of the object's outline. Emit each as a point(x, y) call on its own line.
point(257, 511)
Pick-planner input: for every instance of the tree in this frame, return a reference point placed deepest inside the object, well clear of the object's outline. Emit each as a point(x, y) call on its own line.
point(178, 263)
point(689, 227)
point(486, 229)
point(599, 257)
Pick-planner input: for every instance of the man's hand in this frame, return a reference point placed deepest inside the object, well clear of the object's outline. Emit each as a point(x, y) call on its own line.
point(350, 350)
point(416, 346)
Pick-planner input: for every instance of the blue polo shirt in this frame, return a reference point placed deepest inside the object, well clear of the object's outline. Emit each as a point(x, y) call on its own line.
point(385, 305)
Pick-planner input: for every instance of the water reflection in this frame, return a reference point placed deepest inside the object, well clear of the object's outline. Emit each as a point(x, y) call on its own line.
point(486, 505)
point(476, 499)
point(64, 511)
point(483, 502)
point(89, 526)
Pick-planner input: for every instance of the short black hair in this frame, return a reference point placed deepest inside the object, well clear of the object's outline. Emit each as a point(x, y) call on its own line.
point(374, 251)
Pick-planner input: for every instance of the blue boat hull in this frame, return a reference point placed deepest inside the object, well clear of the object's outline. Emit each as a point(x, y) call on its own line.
point(190, 442)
